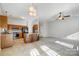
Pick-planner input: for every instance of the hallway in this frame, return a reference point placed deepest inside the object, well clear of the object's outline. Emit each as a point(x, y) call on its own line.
point(43, 47)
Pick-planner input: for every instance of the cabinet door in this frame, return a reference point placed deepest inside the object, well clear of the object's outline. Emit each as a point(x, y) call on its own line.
point(20, 35)
point(3, 21)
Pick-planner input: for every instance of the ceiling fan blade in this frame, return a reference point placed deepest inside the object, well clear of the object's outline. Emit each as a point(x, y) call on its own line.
point(67, 16)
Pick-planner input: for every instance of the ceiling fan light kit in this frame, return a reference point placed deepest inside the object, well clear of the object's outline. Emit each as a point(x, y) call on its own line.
point(61, 16)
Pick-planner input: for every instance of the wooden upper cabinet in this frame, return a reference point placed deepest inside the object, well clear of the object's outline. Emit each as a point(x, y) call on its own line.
point(35, 28)
point(3, 21)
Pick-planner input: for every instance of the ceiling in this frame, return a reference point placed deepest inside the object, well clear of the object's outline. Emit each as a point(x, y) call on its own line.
point(45, 10)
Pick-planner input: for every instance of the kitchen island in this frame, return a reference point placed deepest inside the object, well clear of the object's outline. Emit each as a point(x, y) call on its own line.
point(31, 37)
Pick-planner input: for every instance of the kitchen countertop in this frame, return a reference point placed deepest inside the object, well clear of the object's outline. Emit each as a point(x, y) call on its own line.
point(6, 33)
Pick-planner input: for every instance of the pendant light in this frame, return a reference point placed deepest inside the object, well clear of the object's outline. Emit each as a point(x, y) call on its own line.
point(32, 11)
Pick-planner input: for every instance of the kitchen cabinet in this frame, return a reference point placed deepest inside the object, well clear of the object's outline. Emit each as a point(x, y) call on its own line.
point(6, 40)
point(16, 29)
point(35, 28)
point(3, 21)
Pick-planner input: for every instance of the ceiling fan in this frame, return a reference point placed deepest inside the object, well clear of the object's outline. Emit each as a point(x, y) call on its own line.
point(61, 16)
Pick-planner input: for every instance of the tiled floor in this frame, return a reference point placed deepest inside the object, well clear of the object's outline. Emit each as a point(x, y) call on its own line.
point(43, 47)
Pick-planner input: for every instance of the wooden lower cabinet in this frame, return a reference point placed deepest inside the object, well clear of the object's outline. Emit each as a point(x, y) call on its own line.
point(31, 37)
point(6, 40)
point(0, 43)
point(20, 35)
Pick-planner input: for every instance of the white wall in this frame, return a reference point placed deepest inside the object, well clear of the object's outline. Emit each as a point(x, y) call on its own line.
point(43, 29)
point(17, 21)
point(63, 28)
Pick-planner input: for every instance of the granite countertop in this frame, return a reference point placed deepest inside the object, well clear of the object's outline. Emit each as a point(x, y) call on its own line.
point(5, 33)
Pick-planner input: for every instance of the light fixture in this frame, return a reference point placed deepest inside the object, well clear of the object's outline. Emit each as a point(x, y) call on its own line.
point(31, 8)
point(32, 11)
point(34, 14)
point(61, 16)
point(22, 17)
